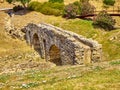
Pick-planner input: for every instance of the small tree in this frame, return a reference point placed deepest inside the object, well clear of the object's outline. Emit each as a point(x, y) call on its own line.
point(23, 2)
point(105, 21)
point(72, 10)
point(87, 8)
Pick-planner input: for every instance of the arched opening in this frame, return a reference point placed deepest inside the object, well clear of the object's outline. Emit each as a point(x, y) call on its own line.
point(36, 44)
point(54, 53)
point(44, 46)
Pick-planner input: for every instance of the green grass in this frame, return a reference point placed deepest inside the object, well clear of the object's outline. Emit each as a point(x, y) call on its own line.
point(63, 78)
point(115, 62)
point(4, 78)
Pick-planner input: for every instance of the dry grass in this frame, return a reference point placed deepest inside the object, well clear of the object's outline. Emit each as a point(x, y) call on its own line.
point(5, 5)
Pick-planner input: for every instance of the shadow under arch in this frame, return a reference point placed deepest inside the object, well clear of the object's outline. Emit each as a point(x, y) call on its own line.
point(36, 44)
point(54, 53)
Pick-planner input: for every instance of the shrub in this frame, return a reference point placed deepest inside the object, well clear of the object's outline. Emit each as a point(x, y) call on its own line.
point(17, 8)
point(104, 20)
point(56, 5)
point(35, 6)
point(47, 8)
point(87, 8)
point(109, 2)
point(72, 10)
point(54, 1)
point(50, 11)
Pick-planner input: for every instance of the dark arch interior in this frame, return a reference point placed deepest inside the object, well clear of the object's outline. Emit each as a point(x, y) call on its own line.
point(36, 44)
point(55, 55)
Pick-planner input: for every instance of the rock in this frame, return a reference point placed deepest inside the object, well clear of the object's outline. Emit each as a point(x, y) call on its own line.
point(11, 30)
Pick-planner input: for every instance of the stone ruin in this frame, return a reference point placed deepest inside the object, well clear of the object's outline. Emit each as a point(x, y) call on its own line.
point(12, 30)
point(60, 46)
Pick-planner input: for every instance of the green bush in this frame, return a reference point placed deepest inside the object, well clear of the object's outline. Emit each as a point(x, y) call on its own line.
point(72, 10)
point(56, 5)
point(105, 21)
point(36, 6)
point(50, 11)
point(54, 1)
point(47, 8)
point(109, 2)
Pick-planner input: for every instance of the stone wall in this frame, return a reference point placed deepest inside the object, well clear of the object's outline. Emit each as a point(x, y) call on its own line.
point(60, 46)
point(11, 30)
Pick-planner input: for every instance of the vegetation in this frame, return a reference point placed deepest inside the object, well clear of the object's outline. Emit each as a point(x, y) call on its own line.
point(87, 8)
point(104, 21)
point(115, 63)
point(23, 2)
point(72, 10)
point(47, 8)
point(36, 6)
point(17, 8)
point(82, 7)
point(64, 78)
point(54, 1)
point(83, 1)
point(109, 2)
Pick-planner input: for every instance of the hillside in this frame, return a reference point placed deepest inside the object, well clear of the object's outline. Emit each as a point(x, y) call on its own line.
point(22, 69)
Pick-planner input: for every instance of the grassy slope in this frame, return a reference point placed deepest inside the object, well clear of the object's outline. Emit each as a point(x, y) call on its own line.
point(65, 78)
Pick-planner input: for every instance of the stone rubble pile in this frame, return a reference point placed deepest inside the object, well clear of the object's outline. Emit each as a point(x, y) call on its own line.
point(11, 30)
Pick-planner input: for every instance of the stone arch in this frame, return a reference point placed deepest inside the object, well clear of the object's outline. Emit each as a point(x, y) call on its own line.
point(54, 53)
point(36, 44)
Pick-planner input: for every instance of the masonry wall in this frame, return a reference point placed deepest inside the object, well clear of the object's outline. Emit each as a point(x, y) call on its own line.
point(60, 46)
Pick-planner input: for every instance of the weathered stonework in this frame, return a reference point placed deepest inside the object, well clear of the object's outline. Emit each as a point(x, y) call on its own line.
point(11, 30)
point(60, 46)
